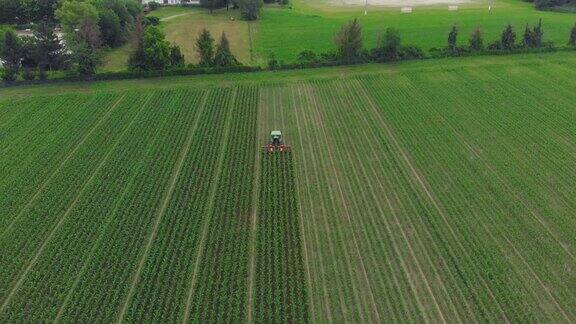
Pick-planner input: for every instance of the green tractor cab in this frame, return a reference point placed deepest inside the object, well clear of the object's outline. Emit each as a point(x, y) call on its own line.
point(276, 137)
point(276, 143)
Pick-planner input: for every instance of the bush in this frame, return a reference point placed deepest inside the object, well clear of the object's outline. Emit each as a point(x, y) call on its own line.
point(307, 56)
point(153, 5)
point(28, 74)
point(150, 21)
point(411, 52)
point(273, 63)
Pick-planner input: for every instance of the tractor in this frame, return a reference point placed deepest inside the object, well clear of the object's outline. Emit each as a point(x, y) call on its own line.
point(276, 144)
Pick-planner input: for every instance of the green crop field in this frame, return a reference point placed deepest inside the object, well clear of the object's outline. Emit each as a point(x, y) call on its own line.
point(429, 191)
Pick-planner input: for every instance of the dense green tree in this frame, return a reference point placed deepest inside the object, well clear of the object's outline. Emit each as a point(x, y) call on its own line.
point(387, 46)
point(527, 39)
point(110, 28)
point(176, 57)
point(205, 48)
point(84, 58)
point(80, 22)
point(223, 56)
point(136, 61)
point(572, 39)
point(349, 40)
point(476, 42)
point(453, 38)
point(156, 49)
point(212, 4)
point(508, 39)
point(72, 14)
point(26, 11)
point(10, 11)
point(47, 50)
point(250, 9)
point(538, 34)
point(11, 55)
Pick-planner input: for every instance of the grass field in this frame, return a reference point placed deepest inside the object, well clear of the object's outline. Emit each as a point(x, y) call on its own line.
point(312, 24)
point(436, 191)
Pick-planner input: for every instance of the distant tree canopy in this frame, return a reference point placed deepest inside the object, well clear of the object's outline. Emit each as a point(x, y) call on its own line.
point(476, 42)
point(388, 46)
point(548, 4)
point(26, 11)
point(250, 8)
point(349, 40)
point(112, 20)
point(152, 51)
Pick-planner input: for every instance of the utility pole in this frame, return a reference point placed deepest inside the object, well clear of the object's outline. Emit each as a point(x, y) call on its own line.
point(365, 7)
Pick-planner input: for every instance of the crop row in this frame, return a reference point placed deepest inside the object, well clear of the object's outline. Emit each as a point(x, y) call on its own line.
point(161, 293)
point(220, 287)
point(88, 223)
point(33, 223)
point(529, 201)
point(504, 276)
point(280, 289)
point(38, 140)
point(103, 287)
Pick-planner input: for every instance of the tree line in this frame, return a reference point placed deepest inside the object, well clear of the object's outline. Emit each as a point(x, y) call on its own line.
point(152, 52)
point(552, 4)
point(26, 11)
point(86, 28)
point(33, 56)
point(349, 45)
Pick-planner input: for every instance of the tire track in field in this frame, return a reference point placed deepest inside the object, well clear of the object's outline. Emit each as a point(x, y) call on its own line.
point(422, 184)
point(59, 167)
point(469, 147)
point(69, 209)
point(168, 195)
point(254, 215)
point(314, 227)
point(301, 221)
point(343, 199)
point(209, 209)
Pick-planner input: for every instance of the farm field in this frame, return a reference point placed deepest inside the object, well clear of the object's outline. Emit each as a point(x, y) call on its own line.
point(428, 191)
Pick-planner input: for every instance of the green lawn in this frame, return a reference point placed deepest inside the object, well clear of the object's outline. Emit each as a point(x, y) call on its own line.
point(426, 191)
point(312, 25)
